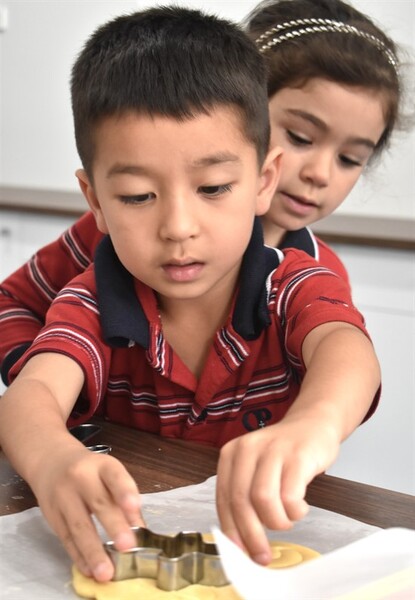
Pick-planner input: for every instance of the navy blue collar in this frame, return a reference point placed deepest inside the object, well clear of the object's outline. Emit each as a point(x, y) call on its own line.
point(303, 239)
point(122, 315)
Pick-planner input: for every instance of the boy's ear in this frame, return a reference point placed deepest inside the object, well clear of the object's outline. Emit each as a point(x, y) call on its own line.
point(269, 178)
point(89, 193)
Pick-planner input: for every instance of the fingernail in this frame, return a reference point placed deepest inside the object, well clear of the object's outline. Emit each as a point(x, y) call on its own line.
point(102, 572)
point(132, 501)
point(124, 541)
point(263, 558)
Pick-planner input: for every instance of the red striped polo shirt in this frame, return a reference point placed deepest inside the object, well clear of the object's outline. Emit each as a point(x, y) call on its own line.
point(109, 323)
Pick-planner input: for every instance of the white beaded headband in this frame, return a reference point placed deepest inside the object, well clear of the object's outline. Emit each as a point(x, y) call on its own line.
point(307, 26)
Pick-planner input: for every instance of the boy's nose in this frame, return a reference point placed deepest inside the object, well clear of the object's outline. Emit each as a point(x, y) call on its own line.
point(317, 169)
point(178, 220)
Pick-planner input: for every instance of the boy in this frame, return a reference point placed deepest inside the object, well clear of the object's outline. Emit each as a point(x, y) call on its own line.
point(186, 325)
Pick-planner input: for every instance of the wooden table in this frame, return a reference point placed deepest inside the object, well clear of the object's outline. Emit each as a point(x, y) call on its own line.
point(159, 464)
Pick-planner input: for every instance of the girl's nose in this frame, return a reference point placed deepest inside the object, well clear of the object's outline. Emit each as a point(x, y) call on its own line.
point(317, 169)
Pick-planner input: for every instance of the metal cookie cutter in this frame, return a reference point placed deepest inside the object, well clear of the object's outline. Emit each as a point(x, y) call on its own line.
point(173, 561)
point(85, 432)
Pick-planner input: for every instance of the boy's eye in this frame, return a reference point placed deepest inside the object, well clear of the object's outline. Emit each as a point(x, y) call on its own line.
point(298, 139)
point(137, 198)
point(215, 190)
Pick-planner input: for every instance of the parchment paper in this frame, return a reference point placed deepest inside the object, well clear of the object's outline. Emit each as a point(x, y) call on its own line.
point(380, 566)
point(34, 566)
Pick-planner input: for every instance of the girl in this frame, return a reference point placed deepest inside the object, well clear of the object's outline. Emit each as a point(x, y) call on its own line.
point(334, 97)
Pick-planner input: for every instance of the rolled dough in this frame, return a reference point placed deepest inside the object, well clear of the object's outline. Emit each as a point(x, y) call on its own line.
point(284, 555)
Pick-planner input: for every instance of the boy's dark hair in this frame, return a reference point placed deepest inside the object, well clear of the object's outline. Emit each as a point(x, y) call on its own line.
point(168, 61)
point(338, 55)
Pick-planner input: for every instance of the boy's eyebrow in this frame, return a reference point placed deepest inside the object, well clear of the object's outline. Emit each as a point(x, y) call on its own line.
point(205, 161)
point(126, 169)
point(324, 127)
point(215, 159)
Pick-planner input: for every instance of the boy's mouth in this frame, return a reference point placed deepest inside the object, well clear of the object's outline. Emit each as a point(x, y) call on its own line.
point(183, 271)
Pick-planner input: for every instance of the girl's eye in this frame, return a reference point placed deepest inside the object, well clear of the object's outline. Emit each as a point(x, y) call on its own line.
point(298, 140)
point(137, 198)
point(215, 190)
point(350, 162)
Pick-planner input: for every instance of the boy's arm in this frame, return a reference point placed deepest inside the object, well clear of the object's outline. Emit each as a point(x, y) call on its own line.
point(70, 482)
point(263, 475)
point(26, 295)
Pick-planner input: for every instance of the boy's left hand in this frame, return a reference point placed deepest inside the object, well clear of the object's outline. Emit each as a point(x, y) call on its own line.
point(263, 476)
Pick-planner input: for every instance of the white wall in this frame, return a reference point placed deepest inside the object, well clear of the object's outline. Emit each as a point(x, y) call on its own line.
point(382, 451)
point(40, 45)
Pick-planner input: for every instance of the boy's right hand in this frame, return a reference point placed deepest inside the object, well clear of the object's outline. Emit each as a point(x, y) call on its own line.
point(74, 485)
point(71, 483)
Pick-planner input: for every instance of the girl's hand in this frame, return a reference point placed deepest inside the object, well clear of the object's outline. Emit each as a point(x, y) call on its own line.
point(263, 476)
point(76, 484)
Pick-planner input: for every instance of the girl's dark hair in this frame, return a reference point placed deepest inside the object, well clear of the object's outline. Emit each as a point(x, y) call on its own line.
point(339, 56)
point(168, 61)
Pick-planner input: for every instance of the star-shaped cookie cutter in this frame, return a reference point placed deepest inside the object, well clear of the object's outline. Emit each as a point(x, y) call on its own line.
point(173, 561)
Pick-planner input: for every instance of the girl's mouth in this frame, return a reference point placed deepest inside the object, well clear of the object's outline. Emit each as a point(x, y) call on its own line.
point(298, 205)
